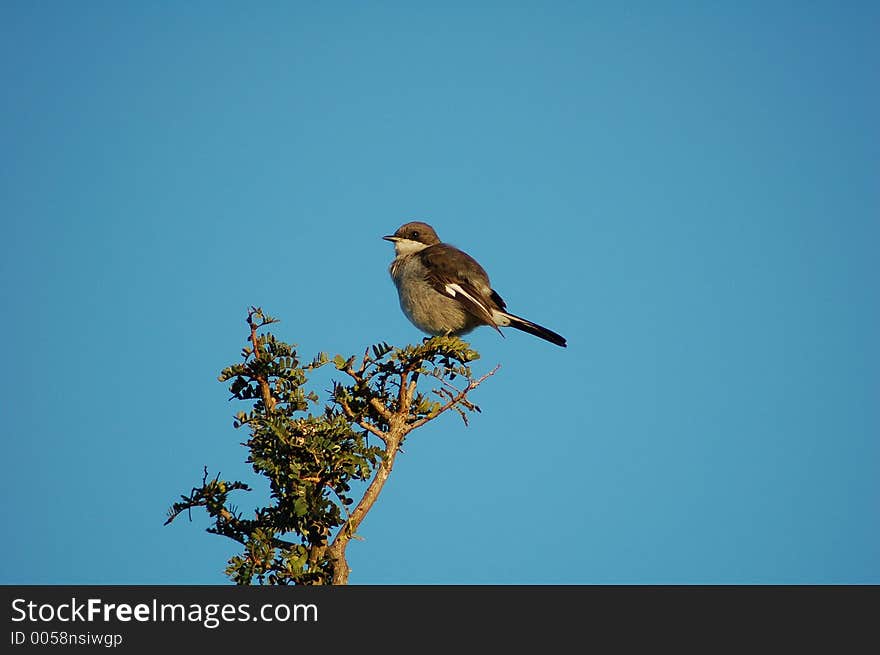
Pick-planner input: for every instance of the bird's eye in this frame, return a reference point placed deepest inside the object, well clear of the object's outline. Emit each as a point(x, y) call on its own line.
point(414, 234)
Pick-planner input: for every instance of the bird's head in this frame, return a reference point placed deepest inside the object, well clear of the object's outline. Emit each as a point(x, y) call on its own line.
point(412, 237)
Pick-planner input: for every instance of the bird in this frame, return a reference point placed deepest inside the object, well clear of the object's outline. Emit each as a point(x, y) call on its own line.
point(445, 291)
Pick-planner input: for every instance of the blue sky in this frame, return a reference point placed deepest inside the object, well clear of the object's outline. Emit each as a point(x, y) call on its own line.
point(689, 193)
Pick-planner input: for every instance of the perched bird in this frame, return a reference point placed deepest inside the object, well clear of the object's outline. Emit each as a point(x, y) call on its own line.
point(444, 291)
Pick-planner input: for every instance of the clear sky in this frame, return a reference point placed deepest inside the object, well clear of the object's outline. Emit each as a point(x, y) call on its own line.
point(688, 191)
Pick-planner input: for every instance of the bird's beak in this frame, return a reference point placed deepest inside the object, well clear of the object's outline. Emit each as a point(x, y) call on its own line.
point(390, 237)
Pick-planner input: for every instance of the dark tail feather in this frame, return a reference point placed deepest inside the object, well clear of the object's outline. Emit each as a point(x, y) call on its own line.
point(536, 330)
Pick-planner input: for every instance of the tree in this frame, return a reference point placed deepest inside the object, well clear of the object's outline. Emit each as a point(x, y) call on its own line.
point(312, 460)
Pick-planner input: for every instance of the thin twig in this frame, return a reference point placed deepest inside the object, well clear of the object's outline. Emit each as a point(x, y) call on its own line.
point(472, 384)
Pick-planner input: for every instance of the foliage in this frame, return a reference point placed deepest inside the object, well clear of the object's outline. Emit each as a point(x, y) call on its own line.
point(311, 460)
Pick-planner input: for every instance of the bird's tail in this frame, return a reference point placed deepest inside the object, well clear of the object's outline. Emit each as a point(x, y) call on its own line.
point(532, 328)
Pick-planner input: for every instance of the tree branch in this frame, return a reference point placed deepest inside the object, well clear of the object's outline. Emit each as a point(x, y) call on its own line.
point(349, 413)
point(336, 550)
point(265, 390)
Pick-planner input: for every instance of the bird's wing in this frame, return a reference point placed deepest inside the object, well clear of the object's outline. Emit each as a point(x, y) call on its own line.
point(457, 275)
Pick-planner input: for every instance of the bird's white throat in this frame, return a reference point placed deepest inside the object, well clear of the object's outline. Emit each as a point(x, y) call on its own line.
point(404, 247)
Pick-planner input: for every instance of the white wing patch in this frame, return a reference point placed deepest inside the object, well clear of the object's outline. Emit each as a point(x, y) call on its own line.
point(454, 289)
